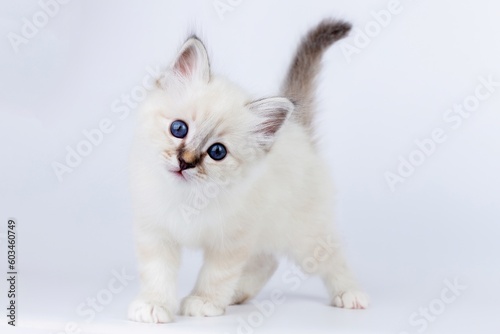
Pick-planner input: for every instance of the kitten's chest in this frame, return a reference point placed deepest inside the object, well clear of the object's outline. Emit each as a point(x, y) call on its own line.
point(193, 224)
point(198, 218)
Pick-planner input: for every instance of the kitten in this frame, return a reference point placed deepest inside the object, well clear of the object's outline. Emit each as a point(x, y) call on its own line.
point(240, 178)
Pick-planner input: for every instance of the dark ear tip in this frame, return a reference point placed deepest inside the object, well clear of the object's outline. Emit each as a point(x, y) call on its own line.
point(195, 40)
point(195, 37)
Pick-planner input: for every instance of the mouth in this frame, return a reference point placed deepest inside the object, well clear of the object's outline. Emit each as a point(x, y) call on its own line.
point(178, 174)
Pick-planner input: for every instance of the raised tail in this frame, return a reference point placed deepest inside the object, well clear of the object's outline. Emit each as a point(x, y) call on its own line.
point(299, 85)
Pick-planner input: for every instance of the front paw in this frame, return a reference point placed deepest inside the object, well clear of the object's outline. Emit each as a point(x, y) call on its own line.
point(351, 299)
point(195, 306)
point(150, 312)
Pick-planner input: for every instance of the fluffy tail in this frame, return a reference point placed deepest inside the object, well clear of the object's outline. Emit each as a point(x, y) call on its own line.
point(299, 85)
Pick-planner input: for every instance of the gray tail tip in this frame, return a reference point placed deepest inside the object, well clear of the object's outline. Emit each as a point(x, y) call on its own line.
point(329, 31)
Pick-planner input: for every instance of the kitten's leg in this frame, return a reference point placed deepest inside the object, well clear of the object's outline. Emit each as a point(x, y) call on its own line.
point(216, 283)
point(159, 258)
point(258, 269)
point(322, 256)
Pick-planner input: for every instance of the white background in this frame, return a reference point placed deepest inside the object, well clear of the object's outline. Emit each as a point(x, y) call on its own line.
point(441, 224)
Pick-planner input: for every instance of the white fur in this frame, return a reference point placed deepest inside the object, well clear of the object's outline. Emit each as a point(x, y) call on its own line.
point(270, 196)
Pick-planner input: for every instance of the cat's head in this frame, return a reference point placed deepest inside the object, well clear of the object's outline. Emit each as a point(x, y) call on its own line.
point(204, 128)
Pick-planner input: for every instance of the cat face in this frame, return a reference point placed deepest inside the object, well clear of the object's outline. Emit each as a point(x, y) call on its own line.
point(204, 128)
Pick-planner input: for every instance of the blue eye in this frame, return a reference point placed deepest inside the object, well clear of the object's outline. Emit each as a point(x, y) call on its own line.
point(217, 151)
point(178, 129)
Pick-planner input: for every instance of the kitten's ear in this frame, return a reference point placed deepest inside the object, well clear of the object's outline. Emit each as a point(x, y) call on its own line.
point(272, 114)
point(192, 61)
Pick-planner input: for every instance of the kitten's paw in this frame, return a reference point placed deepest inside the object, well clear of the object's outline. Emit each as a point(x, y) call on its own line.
point(351, 299)
point(195, 306)
point(142, 311)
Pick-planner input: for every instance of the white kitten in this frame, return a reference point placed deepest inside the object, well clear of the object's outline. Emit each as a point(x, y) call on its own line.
point(239, 178)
